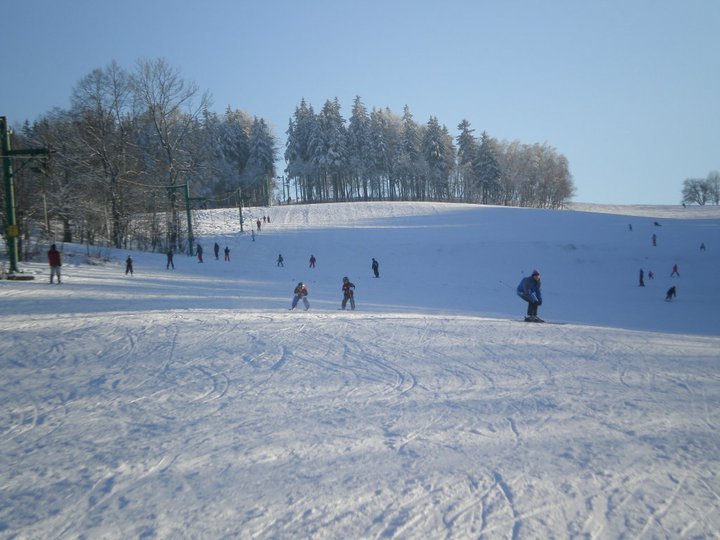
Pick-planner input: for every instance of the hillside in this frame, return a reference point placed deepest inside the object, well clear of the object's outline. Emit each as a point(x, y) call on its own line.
point(192, 403)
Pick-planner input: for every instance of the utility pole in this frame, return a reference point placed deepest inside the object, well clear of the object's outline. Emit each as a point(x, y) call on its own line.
point(12, 230)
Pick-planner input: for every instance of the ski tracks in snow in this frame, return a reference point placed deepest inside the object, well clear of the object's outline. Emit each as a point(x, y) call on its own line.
point(321, 424)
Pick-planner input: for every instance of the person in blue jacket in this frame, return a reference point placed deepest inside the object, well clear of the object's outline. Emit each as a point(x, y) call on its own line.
point(529, 290)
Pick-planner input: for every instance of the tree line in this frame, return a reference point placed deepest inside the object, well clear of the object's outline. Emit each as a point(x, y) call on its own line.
point(137, 150)
point(379, 155)
point(125, 151)
point(702, 191)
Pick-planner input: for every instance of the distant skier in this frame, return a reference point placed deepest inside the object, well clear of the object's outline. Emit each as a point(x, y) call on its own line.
point(252, 231)
point(216, 248)
point(55, 263)
point(375, 267)
point(301, 293)
point(675, 271)
point(642, 274)
point(170, 260)
point(199, 253)
point(651, 275)
point(654, 240)
point(227, 253)
point(258, 224)
point(348, 289)
point(672, 293)
point(129, 266)
point(702, 246)
point(529, 290)
point(280, 260)
point(312, 261)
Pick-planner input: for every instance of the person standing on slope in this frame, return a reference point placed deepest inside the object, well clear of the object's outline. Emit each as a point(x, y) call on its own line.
point(301, 293)
point(348, 289)
point(375, 267)
point(529, 290)
point(55, 263)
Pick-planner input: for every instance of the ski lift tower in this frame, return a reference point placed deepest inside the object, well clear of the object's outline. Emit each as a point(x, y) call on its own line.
point(12, 231)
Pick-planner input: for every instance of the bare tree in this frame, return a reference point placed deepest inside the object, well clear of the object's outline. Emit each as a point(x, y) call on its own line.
point(174, 109)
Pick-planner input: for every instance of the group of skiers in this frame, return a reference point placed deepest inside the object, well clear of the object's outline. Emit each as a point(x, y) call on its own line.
point(301, 294)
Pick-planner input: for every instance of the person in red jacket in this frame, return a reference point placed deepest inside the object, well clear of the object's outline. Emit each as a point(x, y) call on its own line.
point(348, 289)
point(54, 262)
point(301, 293)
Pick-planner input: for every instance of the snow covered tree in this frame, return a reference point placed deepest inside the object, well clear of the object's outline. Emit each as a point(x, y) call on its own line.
point(172, 107)
point(359, 151)
point(467, 155)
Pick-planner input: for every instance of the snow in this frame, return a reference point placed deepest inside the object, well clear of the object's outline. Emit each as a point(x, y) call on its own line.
point(193, 403)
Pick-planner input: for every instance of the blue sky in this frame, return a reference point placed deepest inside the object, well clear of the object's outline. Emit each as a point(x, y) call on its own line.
point(628, 91)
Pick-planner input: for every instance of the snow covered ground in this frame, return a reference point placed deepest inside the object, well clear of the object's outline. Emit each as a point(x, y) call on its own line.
point(192, 403)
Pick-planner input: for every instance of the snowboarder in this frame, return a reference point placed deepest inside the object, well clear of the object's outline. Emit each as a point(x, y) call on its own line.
point(675, 271)
point(529, 290)
point(375, 267)
point(301, 293)
point(170, 260)
point(348, 289)
point(672, 293)
point(280, 260)
point(216, 248)
point(227, 253)
point(642, 274)
point(199, 253)
point(54, 262)
point(312, 261)
point(128, 266)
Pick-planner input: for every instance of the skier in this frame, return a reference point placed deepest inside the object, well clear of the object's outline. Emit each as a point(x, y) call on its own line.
point(280, 260)
point(55, 263)
point(672, 293)
point(375, 267)
point(227, 253)
point(651, 275)
point(258, 224)
point(301, 293)
point(312, 261)
point(252, 231)
point(170, 260)
point(348, 289)
point(128, 266)
point(199, 253)
point(675, 271)
point(642, 282)
point(529, 290)
point(654, 240)
point(702, 246)
point(216, 247)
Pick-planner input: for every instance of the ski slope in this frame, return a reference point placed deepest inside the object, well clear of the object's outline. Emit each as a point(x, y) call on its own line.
point(193, 404)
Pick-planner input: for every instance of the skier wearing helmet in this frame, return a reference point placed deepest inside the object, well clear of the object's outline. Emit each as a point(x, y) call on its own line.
point(348, 289)
point(301, 293)
point(529, 290)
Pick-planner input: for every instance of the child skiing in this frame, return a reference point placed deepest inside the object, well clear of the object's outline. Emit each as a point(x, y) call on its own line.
point(348, 289)
point(301, 293)
point(529, 290)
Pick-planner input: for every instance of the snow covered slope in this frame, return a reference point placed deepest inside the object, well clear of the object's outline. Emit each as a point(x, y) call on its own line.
point(192, 403)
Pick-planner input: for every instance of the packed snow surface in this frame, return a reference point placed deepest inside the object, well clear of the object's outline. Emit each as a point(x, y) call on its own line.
point(193, 403)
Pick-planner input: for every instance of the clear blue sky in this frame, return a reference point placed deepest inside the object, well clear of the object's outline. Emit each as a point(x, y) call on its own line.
point(627, 90)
